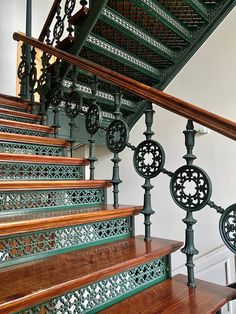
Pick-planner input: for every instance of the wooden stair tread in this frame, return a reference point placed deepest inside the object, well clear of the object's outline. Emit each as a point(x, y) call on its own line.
point(30, 139)
point(53, 185)
point(19, 114)
point(175, 297)
point(44, 279)
point(24, 125)
point(42, 220)
point(55, 160)
point(13, 101)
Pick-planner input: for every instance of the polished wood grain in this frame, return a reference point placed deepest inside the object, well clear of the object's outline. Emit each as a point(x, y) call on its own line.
point(217, 123)
point(37, 281)
point(30, 139)
point(13, 102)
point(35, 221)
point(80, 16)
point(49, 20)
point(24, 125)
point(173, 296)
point(52, 185)
point(55, 160)
point(21, 114)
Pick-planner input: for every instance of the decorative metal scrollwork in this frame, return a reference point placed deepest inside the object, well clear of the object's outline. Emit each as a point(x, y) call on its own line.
point(22, 70)
point(149, 159)
point(32, 76)
point(58, 29)
point(44, 83)
point(117, 136)
point(190, 188)
point(93, 119)
point(227, 227)
point(69, 7)
point(73, 104)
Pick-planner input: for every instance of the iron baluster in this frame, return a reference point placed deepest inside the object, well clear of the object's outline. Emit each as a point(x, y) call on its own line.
point(22, 72)
point(32, 81)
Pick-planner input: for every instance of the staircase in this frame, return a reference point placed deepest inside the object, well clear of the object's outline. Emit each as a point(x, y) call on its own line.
point(63, 249)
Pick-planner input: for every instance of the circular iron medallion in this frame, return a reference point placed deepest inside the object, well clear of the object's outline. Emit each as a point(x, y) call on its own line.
point(227, 227)
point(93, 119)
point(72, 104)
point(117, 136)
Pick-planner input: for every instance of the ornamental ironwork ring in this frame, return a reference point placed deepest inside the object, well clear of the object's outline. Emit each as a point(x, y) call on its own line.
point(21, 72)
point(93, 119)
point(69, 7)
point(73, 104)
point(190, 188)
point(32, 76)
point(58, 29)
point(227, 227)
point(117, 136)
point(149, 159)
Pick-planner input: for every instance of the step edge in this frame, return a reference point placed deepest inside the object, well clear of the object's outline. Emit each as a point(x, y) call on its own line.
point(26, 115)
point(24, 125)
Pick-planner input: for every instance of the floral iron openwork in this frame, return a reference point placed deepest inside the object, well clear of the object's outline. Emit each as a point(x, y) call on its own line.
point(227, 227)
point(149, 159)
point(190, 188)
point(93, 119)
point(117, 136)
point(69, 7)
point(73, 104)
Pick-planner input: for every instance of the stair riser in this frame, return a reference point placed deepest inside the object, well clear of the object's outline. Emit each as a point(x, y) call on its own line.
point(23, 201)
point(102, 294)
point(6, 129)
point(18, 119)
point(31, 149)
point(9, 107)
point(30, 171)
point(31, 246)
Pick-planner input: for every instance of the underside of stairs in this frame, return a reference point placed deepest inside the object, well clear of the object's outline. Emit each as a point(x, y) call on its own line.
point(63, 248)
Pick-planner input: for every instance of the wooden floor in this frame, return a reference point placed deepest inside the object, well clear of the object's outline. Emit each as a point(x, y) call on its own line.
point(173, 296)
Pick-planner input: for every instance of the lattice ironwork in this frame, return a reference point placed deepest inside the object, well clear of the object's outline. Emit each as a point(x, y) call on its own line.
point(190, 188)
point(31, 149)
point(2, 106)
point(102, 294)
point(14, 171)
point(28, 200)
point(149, 158)
point(117, 136)
point(227, 227)
point(7, 129)
point(19, 119)
point(35, 245)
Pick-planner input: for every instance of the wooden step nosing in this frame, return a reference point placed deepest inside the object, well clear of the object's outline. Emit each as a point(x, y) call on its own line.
point(24, 125)
point(20, 114)
point(32, 225)
point(77, 283)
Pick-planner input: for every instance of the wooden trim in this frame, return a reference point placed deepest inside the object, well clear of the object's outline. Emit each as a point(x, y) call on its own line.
point(53, 185)
point(30, 139)
point(13, 102)
point(26, 115)
point(45, 279)
point(80, 16)
point(37, 159)
point(49, 20)
point(23, 125)
point(217, 123)
point(31, 222)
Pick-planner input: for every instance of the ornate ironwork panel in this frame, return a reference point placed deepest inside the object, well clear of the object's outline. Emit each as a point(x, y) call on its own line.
point(31, 149)
point(19, 119)
point(3, 106)
point(38, 200)
point(22, 131)
point(228, 227)
point(72, 104)
point(190, 188)
point(117, 136)
point(17, 249)
point(99, 295)
point(93, 119)
point(28, 171)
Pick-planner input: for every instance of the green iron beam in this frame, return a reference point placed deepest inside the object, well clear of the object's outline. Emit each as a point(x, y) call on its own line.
point(130, 29)
point(169, 20)
point(112, 51)
point(199, 7)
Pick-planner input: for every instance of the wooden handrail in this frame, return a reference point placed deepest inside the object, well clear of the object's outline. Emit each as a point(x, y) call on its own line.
point(215, 122)
point(49, 20)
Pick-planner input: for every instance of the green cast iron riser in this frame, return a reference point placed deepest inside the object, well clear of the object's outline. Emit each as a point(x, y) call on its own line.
point(23, 171)
point(31, 149)
point(18, 119)
point(2, 106)
point(57, 199)
point(31, 246)
point(102, 294)
point(22, 131)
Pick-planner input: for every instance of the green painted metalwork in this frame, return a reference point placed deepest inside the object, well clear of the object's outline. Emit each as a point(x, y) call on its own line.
point(227, 227)
point(22, 131)
point(22, 72)
point(16, 118)
point(156, 10)
point(102, 294)
point(110, 50)
point(199, 7)
point(31, 171)
point(30, 246)
point(3, 106)
point(129, 28)
point(56, 199)
point(31, 149)
point(33, 80)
